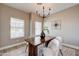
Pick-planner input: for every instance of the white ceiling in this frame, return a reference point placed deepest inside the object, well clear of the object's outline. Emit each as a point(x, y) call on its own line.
point(32, 7)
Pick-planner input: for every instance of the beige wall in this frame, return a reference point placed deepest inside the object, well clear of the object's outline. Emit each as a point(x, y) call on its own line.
point(0, 24)
point(5, 14)
point(69, 25)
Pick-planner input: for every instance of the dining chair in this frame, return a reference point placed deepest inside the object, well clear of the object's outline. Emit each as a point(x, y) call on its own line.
point(40, 49)
point(60, 40)
point(52, 49)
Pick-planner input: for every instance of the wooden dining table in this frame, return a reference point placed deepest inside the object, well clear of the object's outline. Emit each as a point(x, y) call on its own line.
point(34, 42)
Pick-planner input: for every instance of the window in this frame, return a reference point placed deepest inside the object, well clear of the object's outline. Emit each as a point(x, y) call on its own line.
point(48, 28)
point(38, 28)
point(16, 28)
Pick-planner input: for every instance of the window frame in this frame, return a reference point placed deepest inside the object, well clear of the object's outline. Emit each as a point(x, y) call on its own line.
point(35, 27)
point(22, 36)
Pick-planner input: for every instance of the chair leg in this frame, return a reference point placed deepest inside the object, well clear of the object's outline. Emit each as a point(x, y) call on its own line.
point(61, 52)
point(26, 47)
point(42, 54)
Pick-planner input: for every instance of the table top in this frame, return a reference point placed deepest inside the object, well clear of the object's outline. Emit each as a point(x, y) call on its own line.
point(37, 40)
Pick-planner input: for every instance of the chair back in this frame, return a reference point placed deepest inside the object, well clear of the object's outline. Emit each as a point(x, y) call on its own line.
point(53, 46)
point(60, 40)
point(53, 43)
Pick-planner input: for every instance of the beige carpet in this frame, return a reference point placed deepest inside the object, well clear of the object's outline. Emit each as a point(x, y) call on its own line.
point(21, 52)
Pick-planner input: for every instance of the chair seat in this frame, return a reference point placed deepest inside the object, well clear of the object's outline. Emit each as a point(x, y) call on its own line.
point(50, 52)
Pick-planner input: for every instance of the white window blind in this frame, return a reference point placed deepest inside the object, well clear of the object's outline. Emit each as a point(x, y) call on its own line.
point(16, 28)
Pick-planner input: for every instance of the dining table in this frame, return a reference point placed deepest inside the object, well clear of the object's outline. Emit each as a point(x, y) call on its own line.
point(35, 42)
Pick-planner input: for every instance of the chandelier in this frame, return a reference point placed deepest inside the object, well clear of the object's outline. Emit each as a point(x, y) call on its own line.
point(43, 11)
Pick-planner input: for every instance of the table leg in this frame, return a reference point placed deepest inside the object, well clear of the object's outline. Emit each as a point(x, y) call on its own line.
point(32, 50)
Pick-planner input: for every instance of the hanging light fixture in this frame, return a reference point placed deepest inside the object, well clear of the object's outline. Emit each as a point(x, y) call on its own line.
point(44, 16)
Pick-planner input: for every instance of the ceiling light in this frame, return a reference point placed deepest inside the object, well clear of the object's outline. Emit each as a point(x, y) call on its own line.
point(44, 16)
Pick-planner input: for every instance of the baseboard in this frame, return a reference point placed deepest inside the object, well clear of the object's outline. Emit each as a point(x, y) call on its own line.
point(10, 46)
point(71, 46)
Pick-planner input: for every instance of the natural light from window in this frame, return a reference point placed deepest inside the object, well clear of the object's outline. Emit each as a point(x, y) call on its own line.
point(16, 28)
point(38, 28)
